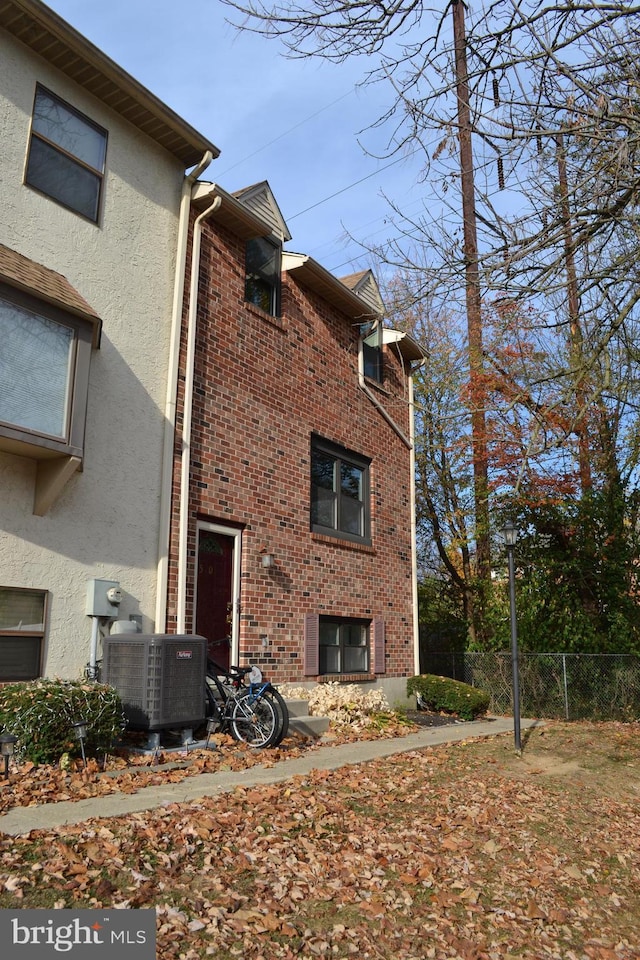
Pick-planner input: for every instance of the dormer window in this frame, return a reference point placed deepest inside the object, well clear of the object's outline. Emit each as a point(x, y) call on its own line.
point(263, 269)
point(372, 355)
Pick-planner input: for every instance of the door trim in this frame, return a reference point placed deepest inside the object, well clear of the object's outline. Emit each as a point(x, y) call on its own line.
point(235, 579)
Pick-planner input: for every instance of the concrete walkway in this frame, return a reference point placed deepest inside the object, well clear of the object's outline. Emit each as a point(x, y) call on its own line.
point(330, 757)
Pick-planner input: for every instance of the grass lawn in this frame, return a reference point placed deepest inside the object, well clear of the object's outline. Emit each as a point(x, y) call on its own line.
point(457, 851)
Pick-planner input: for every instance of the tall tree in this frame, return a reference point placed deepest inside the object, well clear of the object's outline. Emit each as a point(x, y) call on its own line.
point(522, 79)
point(543, 110)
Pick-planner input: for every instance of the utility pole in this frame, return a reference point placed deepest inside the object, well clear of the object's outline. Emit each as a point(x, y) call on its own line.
point(477, 386)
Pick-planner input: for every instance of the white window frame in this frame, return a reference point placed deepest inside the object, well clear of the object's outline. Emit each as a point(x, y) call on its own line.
point(235, 576)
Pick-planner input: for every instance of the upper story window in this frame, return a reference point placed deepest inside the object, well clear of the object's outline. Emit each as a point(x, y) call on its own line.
point(44, 375)
point(339, 492)
point(66, 155)
point(263, 271)
point(22, 626)
point(372, 355)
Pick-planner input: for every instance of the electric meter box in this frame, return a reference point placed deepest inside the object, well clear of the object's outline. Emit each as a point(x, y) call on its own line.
point(103, 598)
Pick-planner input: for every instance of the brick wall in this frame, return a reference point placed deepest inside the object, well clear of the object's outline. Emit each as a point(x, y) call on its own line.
point(262, 387)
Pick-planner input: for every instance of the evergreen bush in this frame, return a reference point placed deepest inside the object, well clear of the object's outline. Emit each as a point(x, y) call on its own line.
point(442, 694)
point(41, 714)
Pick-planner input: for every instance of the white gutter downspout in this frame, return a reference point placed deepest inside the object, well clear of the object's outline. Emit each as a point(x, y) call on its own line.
point(185, 454)
point(170, 401)
point(409, 442)
point(414, 532)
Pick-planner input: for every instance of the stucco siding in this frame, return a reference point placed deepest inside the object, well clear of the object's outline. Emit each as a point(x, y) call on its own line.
point(106, 521)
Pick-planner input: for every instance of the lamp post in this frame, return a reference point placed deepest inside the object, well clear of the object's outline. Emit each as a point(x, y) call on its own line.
point(80, 728)
point(510, 534)
point(7, 746)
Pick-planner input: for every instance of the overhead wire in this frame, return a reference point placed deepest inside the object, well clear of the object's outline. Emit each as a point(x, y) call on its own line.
point(286, 133)
point(350, 186)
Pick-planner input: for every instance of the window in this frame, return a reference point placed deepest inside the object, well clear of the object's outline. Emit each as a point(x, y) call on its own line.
point(340, 645)
point(344, 646)
point(339, 492)
point(66, 155)
point(44, 375)
point(22, 624)
point(262, 283)
point(372, 355)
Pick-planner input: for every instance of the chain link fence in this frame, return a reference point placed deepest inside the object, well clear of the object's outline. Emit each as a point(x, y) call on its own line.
point(569, 686)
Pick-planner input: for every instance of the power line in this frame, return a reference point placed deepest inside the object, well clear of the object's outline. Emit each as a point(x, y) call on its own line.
point(351, 185)
point(286, 133)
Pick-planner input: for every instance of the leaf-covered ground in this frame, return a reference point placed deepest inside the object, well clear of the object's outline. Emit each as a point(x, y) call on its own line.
point(127, 771)
point(457, 851)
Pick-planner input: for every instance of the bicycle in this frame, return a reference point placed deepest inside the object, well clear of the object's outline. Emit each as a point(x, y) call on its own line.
point(241, 702)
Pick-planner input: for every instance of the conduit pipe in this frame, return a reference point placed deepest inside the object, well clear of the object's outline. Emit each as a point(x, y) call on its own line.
point(374, 400)
point(92, 666)
point(185, 453)
point(172, 388)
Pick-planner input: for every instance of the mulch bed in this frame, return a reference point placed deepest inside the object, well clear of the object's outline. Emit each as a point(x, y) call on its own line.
point(423, 718)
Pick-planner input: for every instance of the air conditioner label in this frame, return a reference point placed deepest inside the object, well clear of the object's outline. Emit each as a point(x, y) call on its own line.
point(184, 654)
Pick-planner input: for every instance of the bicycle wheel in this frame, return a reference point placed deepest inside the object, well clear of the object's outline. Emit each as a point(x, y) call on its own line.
point(282, 713)
point(254, 720)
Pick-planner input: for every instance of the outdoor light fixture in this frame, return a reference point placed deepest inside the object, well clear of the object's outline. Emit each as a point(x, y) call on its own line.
point(510, 534)
point(80, 728)
point(212, 726)
point(268, 560)
point(7, 746)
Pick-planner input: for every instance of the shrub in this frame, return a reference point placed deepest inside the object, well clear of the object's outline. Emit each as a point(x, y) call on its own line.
point(41, 714)
point(450, 696)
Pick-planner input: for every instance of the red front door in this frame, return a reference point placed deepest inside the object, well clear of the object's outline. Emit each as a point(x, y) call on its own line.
point(214, 603)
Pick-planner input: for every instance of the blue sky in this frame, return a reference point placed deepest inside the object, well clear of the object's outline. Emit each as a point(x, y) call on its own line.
point(295, 123)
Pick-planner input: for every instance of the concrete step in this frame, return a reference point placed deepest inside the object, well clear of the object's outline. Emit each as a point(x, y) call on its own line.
point(297, 708)
point(301, 723)
point(309, 727)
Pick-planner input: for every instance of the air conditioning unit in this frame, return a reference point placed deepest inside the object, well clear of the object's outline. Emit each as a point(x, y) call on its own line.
point(160, 678)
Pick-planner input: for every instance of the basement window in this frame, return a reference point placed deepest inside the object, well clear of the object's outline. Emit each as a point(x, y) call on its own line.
point(344, 646)
point(22, 624)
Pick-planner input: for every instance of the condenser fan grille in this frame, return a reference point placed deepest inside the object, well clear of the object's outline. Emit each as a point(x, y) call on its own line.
point(160, 678)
